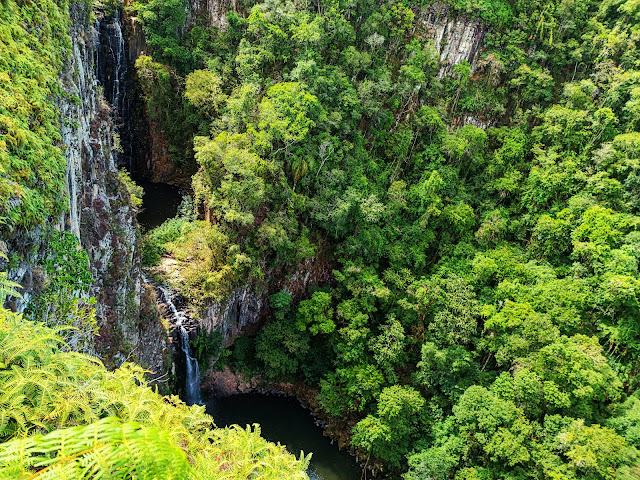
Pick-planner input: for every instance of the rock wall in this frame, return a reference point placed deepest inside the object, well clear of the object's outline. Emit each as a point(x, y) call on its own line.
point(246, 308)
point(99, 212)
point(213, 11)
point(456, 38)
point(238, 311)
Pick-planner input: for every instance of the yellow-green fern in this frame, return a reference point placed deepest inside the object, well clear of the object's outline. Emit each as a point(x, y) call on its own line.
point(44, 389)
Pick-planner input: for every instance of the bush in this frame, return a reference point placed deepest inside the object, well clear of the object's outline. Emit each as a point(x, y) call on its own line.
point(155, 243)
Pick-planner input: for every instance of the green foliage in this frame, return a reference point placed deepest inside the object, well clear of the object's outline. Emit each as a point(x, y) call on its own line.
point(56, 412)
point(65, 299)
point(136, 192)
point(626, 420)
point(576, 377)
point(162, 20)
point(161, 86)
point(387, 435)
point(33, 39)
point(592, 451)
point(290, 348)
point(203, 90)
point(105, 449)
point(280, 302)
point(206, 347)
point(211, 263)
point(481, 220)
point(8, 288)
point(316, 314)
point(157, 241)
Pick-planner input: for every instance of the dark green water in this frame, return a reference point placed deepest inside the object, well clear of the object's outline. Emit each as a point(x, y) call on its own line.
point(159, 203)
point(283, 420)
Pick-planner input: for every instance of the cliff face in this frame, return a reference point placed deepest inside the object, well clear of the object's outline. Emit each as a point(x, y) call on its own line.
point(238, 311)
point(213, 11)
point(109, 230)
point(456, 38)
point(145, 148)
point(99, 212)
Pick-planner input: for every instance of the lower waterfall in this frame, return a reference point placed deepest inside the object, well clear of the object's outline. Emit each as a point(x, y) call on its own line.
point(192, 377)
point(180, 320)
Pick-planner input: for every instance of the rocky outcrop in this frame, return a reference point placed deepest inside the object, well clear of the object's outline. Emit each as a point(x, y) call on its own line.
point(213, 11)
point(456, 38)
point(238, 311)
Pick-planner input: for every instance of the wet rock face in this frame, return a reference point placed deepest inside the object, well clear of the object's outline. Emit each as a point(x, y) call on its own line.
point(238, 311)
point(99, 212)
point(113, 72)
point(456, 38)
point(213, 10)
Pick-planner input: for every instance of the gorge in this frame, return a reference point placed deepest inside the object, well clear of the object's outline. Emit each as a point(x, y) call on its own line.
point(419, 218)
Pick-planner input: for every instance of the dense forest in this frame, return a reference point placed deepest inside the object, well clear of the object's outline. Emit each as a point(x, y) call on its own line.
point(480, 220)
point(472, 229)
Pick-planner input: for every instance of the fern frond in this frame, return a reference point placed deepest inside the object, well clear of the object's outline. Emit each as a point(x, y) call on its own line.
point(8, 288)
point(43, 389)
point(106, 449)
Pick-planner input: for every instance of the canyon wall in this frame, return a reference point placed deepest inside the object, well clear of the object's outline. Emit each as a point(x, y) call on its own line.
point(99, 215)
point(456, 38)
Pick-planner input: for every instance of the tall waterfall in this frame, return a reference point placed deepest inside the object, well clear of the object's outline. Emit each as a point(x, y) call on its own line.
point(113, 73)
point(192, 372)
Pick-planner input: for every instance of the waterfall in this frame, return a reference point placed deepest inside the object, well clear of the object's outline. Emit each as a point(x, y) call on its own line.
point(180, 320)
point(192, 378)
point(113, 73)
point(120, 62)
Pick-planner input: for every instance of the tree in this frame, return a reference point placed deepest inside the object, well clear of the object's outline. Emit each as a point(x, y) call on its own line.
point(449, 370)
point(351, 389)
point(316, 314)
point(388, 348)
point(577, 379)
point(281, 347)
point(288, 111)
point(203, 90)
point(495, 426)
point(517, 329)
point(387, 435)
point(591, 452)
point(231, 179)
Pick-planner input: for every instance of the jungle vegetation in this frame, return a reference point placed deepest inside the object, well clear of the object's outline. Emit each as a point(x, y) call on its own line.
point(63, 415)
point(482, 221)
